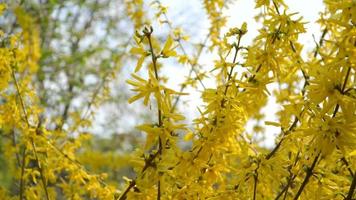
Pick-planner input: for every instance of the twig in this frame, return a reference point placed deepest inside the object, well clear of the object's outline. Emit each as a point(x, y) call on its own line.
point(22, 173)
point(160, 123)
point(290, 180)
point(307, 177)
point(352, 189)
point(32, 142)
point(148, 162)
point(255, 184)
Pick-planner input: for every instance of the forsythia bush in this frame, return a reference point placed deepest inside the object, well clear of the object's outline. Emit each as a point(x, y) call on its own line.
point(314, 155)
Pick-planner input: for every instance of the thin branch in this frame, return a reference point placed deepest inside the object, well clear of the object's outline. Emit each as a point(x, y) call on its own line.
point(13, 138)
point(131, 185)
point(255, 177)
point(275, 149)
point(149, 161)
point(307, 177)
point(320, 42)
point(290, 180)
point(32, 142)
point(160, 123)
point(343, 159)
point(351, 192)
point(22, 173)
point(342, 90)
point(43, 178)
point(154, 62)
point(222, 103)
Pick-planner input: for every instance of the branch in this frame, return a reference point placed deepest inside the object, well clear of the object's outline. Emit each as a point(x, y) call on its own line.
point(307, 177)
point(290, 180)
point(22, 173)
point(148, 163)
point(132, 184)
point(147, 32)
point(31, 140)
point(255, 177)
point(160, 123)
point(352, 189)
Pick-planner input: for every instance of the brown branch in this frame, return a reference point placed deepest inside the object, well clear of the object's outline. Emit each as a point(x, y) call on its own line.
point(131, 185)
point(320, 42)
point(255, 177)
point(148, 163)
point(351, 192)
point(290, 180)
point(160, 123)
point(154, 62)
point(275, 149)
point(307, 177)
point(310, 170)
point(343, 159)
point(285, 189)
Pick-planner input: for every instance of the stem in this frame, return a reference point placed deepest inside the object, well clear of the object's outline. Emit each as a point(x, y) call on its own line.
point(123, 196)
point(310, 170)
point(276, 7)
point(160, 123)
point(303, 90)
point(290, 180)
point(352, 189)
point(154, 60)
point(307, 177)
point(22, 173)
point(151, 158)
point(320, 42)
point(43, 179)
point(237, 48)
point(148, 163)
point(159, 190)
point(222, 103)
point(14, 145)
point(280, 142)
point(255, 185)
point(342, 90)
point(343, 159)
point(32, 142)
point(285, 189)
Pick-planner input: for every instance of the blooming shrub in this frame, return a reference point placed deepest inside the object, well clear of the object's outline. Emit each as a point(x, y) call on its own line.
point(314, 155)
